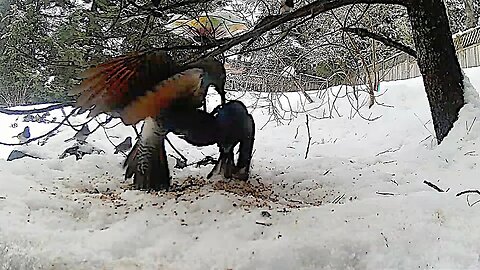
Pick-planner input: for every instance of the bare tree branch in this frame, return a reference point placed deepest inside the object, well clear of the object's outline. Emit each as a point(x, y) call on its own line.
point(474, 191)
point(362, 32)
point(309, 137)
point(432, 185)
point(144, 31)
point(313, 9)
point(42, 110)
point(44, 135)
point(182, 4)
point(175, 149)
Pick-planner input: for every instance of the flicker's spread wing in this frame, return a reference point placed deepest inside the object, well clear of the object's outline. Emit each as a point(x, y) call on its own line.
point(136, 86)
point(113, 84)
point(182, 85)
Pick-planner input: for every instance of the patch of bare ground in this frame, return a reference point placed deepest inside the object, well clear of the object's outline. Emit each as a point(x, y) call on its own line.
point(254, 193)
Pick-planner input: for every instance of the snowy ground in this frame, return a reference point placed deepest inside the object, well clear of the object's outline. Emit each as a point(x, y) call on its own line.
point(357, 202)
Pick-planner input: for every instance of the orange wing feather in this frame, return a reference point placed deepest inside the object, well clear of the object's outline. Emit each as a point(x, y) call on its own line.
point(114, 85)
point(184, 84)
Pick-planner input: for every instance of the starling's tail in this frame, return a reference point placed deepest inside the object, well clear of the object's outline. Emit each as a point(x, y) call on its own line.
point(242, 169)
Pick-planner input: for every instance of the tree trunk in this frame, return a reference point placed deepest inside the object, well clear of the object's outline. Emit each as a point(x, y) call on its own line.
point(438, 63)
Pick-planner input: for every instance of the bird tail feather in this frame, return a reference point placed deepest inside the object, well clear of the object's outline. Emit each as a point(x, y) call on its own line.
point(147, 161)
point(246, 149)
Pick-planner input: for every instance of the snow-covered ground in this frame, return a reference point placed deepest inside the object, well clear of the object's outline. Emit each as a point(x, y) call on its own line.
point(357, 202)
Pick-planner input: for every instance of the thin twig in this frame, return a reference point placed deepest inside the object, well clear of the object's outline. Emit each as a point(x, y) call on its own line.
point(309, 137)
point(471, 153)
point(338, 199)
point(385, 193)
point(385, 238)
point(296, 133)
point(175, 149)
point(430, 184)
point(263, 223)
point(68, 121)
point(389, 150)
point(178, 4)
point(476, 191)
point(428, 137)
point(101, 124)
point(41, 136)
point(144, 31)
point(136, 131)
point(473, 122)
point(202, 162)
point(117, 18)
point(471, 204)
point(106, 134)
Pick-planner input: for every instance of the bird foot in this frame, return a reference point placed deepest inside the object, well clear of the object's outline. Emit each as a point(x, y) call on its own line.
point(227, 169)
point(241, 174)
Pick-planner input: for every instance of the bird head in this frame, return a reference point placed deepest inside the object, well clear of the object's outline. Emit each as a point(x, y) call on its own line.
point(84, 130)
point(215, 75)
point(26, 132)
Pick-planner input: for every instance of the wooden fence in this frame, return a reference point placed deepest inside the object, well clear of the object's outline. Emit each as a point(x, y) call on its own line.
point(272, 82)
point(403, 66)
point(398, 67)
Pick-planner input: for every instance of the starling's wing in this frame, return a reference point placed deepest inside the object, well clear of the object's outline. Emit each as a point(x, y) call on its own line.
point(136, 86)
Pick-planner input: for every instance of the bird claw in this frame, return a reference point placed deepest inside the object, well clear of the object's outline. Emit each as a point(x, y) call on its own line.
point(241, 174)
point(226, 167)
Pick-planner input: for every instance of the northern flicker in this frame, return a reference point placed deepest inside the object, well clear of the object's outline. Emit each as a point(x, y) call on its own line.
point(147, 86)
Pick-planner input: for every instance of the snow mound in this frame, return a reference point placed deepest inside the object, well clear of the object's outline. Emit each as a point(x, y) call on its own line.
point(358, 201)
